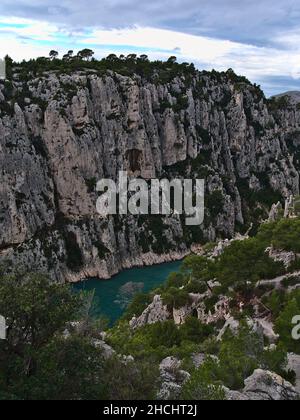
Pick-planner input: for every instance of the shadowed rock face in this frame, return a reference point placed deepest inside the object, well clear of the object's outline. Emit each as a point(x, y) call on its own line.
point(59, 134)
point(134, 158)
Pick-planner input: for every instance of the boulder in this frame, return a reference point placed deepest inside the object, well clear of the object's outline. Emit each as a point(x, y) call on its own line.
point(108, 351)
point(155, 312)
point(264, 386)
point(275, 212)
point(198, 359)
point(172, 378)
point(269, 386)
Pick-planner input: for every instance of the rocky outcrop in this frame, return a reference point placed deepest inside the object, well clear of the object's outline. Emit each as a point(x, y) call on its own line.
point(60, 133)
point(287, 258)
point(267, 328)
point(181, 314)
point(172, 378)
point(107, 351)
point(155, 312)
point(231, 324)
point(265, 386)
point(294, 365)
point(158, 312)
point(263, 328)
point(220, 312)
point(276, 212)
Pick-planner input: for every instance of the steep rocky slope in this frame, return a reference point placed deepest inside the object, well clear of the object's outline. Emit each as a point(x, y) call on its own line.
point(225, 319)
point(61, 132)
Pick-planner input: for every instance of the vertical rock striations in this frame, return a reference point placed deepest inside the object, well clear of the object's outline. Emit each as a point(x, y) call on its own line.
point(60, 133)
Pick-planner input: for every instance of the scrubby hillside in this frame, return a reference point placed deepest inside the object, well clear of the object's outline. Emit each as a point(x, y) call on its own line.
point(64, 124)
point(219, 329)
point(226, 316)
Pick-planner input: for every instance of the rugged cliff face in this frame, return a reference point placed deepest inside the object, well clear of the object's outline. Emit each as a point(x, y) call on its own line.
point(60, 133)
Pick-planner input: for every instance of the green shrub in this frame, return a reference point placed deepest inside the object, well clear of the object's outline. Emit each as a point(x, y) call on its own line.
point(137, 306)
point(176, 280)
point(195, 286)
point(200, 388)
point(214, 202)
point(286, 235)
point(193, 330)
point(176, 298)
point(245, 261)
point(275, 302)
point(182, 103)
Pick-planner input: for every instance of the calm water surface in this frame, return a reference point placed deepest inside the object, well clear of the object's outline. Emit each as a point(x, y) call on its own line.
point(112, 296)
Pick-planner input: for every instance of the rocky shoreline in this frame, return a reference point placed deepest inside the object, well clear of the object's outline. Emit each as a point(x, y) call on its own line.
point(145, 260)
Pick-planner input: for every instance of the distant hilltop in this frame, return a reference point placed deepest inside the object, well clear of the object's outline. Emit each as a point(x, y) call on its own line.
point(293, 96)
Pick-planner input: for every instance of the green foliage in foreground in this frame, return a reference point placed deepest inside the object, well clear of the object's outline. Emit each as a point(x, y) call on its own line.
point(38, 361)
point(47, 356)
point(238, 357)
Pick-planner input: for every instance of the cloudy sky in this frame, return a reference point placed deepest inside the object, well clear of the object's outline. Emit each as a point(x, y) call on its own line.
point(258, 39)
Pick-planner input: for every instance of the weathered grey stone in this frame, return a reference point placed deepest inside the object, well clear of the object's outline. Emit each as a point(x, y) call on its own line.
point(276, 212)
point(181, 314)
point(232, 324)
point(269, 386)
point(287, 258)
point(172, 378)
point(198, 359)
point(155, 312)
point(264, 386)
point(76, 128)
point(267, 329)
point(294, 365)
point(107, 350)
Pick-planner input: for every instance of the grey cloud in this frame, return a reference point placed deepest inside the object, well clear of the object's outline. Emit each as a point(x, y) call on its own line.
point(274, 85)
point(244, 21)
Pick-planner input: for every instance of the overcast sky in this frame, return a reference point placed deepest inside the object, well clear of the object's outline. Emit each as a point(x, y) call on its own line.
point(260, 40)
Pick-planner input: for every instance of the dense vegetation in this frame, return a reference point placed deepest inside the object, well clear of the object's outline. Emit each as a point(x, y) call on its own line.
point(51, 350)
point(237, 272)
point(126, 65)
point(49, 356)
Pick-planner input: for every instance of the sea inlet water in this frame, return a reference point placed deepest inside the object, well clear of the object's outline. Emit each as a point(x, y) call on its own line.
point(113, 296)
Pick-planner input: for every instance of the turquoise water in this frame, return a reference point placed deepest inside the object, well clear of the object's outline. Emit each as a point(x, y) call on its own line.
point(113, 296)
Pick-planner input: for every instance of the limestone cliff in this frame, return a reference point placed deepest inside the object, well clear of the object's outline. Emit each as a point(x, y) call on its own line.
point(60, 133)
